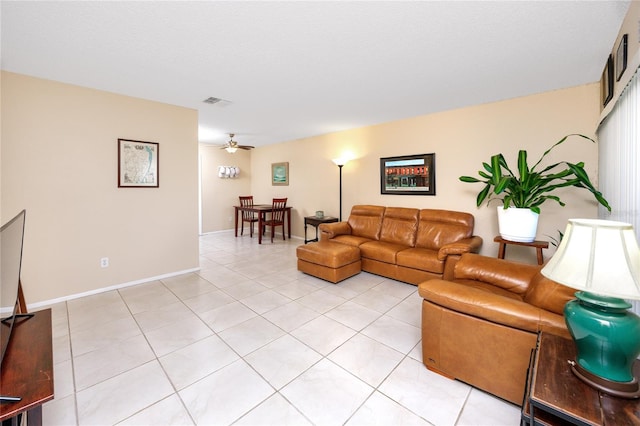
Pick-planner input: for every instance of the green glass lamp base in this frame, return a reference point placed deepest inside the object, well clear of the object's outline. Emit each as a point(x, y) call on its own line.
point(607, 338)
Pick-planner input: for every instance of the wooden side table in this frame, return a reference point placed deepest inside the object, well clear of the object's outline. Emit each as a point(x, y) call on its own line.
point(27, 370)
point(315, 222)
point(539, 245)
point(555, 396)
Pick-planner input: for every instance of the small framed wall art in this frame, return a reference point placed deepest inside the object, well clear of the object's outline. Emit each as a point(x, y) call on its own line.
point(621, 57)
point(280, 174)
point(408, 175)
point(138, 165)
point(607, 82)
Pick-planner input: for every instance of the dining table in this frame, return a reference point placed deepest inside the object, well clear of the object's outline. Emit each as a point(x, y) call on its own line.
point(261, 210)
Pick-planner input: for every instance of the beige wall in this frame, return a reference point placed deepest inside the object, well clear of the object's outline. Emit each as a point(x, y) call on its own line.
point(220, 195)
point(59, 161)
point(461, 140)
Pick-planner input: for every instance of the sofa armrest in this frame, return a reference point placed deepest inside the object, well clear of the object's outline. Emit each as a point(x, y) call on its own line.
point(466, 245)
point(479, 303)
point(333, 229)
point(513, 276)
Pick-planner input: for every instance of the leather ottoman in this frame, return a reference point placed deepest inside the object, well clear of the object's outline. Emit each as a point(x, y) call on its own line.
point(329, 261)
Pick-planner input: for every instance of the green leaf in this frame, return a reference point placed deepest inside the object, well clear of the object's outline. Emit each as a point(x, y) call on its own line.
point(496, 169)
point(483, 195)
point(523, 167)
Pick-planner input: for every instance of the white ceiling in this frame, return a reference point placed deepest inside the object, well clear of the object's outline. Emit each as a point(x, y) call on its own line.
point(297, 69)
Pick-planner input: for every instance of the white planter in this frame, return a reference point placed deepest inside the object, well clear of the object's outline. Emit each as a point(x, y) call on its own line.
point(515, 224)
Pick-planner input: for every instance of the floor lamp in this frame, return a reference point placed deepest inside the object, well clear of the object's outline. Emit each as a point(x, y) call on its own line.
point(340, 162)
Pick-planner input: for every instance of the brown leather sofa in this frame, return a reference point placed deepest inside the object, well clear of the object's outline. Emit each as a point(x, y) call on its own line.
point(406, 244)
point(480, 324)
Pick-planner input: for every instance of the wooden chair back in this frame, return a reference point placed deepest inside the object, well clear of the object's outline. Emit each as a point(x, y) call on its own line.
point(247, 201)
point(277, 210)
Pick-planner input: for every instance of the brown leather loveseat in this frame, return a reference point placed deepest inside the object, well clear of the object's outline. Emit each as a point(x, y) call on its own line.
point(480, 324)
point(406, 244)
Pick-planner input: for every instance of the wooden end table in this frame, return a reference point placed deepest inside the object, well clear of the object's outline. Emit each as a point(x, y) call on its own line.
point(538, 245)
point(27, 370)
point(315, 222)
point(555, 396)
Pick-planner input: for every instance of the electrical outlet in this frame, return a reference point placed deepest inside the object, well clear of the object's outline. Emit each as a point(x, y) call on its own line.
point(104, 262)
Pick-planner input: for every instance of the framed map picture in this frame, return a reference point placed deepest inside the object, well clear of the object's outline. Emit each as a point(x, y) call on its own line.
point(138, 164)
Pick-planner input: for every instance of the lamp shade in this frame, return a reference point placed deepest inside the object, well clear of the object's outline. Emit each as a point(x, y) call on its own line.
point(340, 161)
point(598, 256)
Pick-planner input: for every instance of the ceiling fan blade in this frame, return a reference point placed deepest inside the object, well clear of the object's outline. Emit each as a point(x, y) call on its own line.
point(247, 147)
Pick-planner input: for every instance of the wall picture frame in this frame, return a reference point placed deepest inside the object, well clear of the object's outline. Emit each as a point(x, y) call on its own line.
point(408, 175)
point(280, 174)
point(607, 81)
point(138, 164)
point(621, 57)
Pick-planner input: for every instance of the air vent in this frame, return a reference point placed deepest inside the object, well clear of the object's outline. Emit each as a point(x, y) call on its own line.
point(220, 103)
point(211, 100)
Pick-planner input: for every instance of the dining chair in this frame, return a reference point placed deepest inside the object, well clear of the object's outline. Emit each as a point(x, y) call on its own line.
point(277, 216)
point(247, 201)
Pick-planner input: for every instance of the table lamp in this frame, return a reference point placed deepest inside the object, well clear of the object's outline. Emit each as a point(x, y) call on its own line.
point(601, 259)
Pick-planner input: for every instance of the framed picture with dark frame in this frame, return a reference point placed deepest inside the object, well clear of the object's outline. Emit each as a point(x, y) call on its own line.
point(408, 175)
point(138, 165)
point(607, 82)
point(279, 174)
point(621, 57)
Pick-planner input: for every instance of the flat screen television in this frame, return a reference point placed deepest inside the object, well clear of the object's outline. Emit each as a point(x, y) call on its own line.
point(11, 240)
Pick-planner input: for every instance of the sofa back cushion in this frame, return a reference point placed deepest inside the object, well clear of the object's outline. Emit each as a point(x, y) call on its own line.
point(437, 228)
point(548, 295)
point(366, 221)
point(399, 226)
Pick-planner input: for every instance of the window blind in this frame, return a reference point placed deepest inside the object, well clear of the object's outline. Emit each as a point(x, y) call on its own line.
point(619, 160)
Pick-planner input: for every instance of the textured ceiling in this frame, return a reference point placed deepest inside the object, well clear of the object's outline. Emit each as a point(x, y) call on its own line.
point(291, 70)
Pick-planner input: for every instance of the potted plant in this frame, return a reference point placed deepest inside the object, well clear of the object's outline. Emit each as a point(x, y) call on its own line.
point(523, 193)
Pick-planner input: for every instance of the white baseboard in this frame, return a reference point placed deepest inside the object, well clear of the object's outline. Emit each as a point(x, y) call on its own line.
point(224, 231)
point(33, 306)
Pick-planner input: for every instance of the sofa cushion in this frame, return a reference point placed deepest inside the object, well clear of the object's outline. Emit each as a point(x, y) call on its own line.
point(328, 254)
point(399, 226)
point(420, 258)
point(549, 295)
point(350, 240)
point(439, 227)
point(365, 221)
point(381, 251)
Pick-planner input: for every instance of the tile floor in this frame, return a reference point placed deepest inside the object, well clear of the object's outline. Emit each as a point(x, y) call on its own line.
point(249, 340)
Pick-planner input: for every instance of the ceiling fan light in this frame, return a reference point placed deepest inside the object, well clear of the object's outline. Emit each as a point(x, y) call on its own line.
point(231, 149)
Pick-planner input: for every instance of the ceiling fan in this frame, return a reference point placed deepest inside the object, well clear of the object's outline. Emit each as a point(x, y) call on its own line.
point(232, 146)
